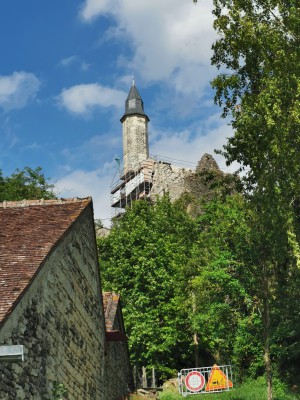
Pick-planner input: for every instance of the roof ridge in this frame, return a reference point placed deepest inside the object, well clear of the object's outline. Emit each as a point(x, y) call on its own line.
point(38, 202)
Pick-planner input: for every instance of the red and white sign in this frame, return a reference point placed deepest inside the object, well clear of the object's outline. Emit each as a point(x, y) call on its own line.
point(194, 381)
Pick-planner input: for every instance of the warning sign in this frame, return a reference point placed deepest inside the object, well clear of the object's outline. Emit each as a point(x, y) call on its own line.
point(194, 381)
point(217, 380)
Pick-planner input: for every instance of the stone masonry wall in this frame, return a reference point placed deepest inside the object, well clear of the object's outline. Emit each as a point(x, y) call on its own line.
point(117, 365)
point(168, 178)
point(135, 142)
point(60, 322)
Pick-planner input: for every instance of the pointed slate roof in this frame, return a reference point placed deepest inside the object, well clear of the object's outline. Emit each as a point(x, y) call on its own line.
point(134, 104)
point(29, 230)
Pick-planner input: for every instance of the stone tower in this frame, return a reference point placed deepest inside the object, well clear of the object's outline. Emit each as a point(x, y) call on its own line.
point(135, 131)
point(143, 177)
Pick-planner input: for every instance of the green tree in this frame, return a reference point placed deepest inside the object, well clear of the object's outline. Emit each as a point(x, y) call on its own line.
point(98, 223)
point(259, 89)
point(143, 259)
point(259, 45)
point(25, 184)
point(223, 273)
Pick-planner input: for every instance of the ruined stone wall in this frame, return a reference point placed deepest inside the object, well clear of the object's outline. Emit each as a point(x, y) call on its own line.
point(203, 183)
point(168, 178)
point(209, 181)
point(60, 322)
point(135, 142)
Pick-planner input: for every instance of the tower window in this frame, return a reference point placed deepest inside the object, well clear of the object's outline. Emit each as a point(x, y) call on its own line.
point(132, 103)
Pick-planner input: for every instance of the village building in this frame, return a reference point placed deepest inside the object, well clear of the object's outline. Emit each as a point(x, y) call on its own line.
point(51, 303)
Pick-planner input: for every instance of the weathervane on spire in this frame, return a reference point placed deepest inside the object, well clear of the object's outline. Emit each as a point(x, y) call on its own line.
point(133, 82)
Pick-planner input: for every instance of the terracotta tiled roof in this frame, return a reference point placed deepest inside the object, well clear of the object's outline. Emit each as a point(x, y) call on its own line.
point(110, 305)
point(28, 231)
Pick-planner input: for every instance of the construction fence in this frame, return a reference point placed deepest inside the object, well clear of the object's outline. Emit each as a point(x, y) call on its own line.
point(205, 380)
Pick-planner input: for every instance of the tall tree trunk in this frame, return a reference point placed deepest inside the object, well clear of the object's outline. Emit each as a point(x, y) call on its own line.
point(267, 324)
point(195, 335)
point(196, 352)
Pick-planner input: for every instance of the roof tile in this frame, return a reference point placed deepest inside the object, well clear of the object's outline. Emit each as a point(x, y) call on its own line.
point(28, 231)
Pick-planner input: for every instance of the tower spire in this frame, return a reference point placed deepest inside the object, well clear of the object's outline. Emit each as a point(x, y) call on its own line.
point(134, 104)
point(135, 131)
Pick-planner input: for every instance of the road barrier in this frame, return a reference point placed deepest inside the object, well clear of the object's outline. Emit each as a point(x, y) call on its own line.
point(205, 380)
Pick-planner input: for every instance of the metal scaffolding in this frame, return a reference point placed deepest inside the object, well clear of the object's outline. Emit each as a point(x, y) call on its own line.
point(130, 186)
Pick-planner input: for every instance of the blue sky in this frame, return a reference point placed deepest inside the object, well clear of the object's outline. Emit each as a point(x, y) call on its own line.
point(65, 72)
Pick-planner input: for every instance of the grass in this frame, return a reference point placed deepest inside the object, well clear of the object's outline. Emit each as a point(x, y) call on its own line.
point(251, 390)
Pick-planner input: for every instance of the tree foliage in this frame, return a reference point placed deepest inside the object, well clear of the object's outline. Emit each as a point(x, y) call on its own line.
point(181, 277)
point(25, 184)
point(223, 277)
point(259, 46)
point(259, 88)
point(143, 259)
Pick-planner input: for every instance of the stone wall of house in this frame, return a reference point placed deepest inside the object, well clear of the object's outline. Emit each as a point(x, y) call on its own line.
point(60, 322)
point(117, 365)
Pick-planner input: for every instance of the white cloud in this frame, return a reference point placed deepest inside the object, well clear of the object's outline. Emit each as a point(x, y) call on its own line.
point(95, 183)
point(104, 145)
point(66, 62)
point(17, 89)
point(184, 149)
point(9, 140)
point(171, 39)
point(91, 9)
point(82, 99)
point(74, 61)
point(32, 146)
point(84, 66)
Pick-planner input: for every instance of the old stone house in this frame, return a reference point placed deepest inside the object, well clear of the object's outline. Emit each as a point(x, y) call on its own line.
point(51, 303)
